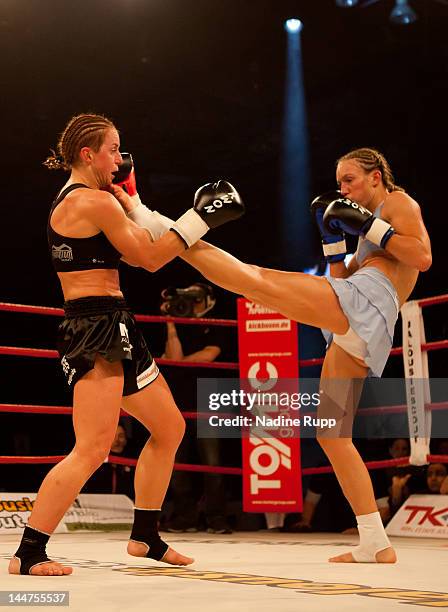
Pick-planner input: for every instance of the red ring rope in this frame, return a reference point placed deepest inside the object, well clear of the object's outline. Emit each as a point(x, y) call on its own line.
point(214, 469)
point(225, 365)
point(51, 354)
point(59, 312)
point(374, 410)
point(48, 310)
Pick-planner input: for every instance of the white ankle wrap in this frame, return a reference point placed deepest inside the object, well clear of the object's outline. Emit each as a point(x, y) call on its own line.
point(372, 538)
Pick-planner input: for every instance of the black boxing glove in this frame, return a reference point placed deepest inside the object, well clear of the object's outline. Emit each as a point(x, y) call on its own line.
point(333, 243)
point(345, 215)
point(214, 204)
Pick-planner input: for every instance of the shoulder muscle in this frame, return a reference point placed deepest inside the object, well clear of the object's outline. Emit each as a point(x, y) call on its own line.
point(404, 214)
point(102, 209)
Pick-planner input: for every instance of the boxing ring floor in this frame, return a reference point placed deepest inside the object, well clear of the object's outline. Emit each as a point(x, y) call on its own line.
point(258, 571)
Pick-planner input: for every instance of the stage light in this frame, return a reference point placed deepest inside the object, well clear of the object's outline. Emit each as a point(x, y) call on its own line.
point(295, 164)
point(402, 13)
point(293, 25)
point(346, 3)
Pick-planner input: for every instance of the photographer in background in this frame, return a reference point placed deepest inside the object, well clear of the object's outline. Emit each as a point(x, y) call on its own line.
point(194, 301)
point(193, 344)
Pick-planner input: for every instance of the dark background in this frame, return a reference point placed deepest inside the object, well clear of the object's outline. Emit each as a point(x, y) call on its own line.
point(196, 90)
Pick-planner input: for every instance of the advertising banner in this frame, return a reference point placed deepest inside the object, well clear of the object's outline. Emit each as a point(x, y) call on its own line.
point(421, 516)
point(89, 511)
point(268, 357)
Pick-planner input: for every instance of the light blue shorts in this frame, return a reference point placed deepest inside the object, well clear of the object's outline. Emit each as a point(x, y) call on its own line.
point(370, 303)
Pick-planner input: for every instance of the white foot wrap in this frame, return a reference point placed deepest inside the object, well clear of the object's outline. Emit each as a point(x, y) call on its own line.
point(372, 538)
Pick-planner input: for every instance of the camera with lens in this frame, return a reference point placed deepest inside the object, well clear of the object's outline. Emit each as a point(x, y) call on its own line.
point(178, 302)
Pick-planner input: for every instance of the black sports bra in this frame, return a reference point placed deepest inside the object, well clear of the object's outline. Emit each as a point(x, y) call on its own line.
point(71, 254)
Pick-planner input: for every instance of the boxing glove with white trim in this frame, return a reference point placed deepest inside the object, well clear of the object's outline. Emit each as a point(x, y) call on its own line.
point(214, 204)
point(333, 243)
point(346, 215)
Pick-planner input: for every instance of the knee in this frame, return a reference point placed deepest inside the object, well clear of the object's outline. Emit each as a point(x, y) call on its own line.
point(172, 433)
point(178, 430)
point(333, 445)
point(94, 454)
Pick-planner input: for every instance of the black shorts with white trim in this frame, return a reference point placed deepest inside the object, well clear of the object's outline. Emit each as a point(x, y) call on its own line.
point(105, 326)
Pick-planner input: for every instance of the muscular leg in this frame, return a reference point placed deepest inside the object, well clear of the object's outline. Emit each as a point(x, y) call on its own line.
point(347, 463)
point(294, 294)
point(96, 407)
point(310, 300)
point(155, 408)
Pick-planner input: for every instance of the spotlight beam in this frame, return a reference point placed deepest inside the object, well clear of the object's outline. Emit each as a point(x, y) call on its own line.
point(295, 189)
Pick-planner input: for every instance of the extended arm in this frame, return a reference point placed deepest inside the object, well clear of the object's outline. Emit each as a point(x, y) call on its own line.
point(133, 242)
point(214, 204)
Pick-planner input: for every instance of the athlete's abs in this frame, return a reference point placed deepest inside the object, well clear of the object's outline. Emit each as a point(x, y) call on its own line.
point(401, 276)
point(85, 283)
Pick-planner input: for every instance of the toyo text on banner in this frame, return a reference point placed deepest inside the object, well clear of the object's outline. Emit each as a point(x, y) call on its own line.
point(268, 357)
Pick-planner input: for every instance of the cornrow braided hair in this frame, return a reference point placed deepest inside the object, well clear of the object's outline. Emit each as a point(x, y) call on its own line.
point(371, 159)
point(86, 130)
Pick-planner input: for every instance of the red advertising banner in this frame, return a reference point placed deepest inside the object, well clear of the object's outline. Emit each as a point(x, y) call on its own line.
point(269, 366)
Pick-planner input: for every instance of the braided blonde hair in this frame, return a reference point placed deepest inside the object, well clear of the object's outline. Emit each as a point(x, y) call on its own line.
point(369, 160)
point(85, 130)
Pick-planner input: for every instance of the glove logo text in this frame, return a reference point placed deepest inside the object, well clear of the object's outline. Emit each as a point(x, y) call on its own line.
point(227, 198)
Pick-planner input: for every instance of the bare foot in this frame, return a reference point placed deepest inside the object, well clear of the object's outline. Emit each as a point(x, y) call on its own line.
point(52, 568)
point(137, 549)
point(387, 555)
point(175, 558)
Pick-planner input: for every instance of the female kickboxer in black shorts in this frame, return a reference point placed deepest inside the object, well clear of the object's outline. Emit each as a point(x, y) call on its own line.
point(103, 354)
